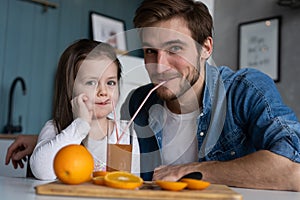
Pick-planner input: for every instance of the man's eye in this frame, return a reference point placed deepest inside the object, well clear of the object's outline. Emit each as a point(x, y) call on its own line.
point(174, 49)
point(149, 51)
point(111, 83)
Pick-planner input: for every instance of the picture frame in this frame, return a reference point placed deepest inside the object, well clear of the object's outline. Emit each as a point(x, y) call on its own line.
point(108, 29)
point(259, 46)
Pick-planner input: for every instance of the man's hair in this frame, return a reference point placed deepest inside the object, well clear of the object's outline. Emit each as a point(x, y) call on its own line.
point(196, 15)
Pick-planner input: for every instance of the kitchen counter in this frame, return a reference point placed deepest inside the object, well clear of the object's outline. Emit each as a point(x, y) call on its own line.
point(11, 136)
point(8, 136)
point(23, 188)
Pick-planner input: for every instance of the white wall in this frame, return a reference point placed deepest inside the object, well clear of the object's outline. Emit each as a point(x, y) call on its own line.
point(210, 5)
point(134, 75)
point(228, 15)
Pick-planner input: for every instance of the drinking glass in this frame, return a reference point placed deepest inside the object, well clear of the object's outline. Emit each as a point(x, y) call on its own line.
point(119, 148)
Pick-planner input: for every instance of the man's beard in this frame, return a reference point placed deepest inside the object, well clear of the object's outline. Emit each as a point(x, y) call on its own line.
point(168, 94)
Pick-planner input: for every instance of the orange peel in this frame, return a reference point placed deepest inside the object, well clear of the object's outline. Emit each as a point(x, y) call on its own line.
point(171, 185)
point(99, 173)
point(194, 184)
point(98, 180)
point(73, 164)
point(122, 180)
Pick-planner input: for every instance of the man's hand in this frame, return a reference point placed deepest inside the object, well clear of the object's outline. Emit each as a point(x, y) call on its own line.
point(173, 172)
point(18, 151)
point(259, 170)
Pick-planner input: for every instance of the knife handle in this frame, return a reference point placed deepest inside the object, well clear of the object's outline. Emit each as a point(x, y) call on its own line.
point(193, 175)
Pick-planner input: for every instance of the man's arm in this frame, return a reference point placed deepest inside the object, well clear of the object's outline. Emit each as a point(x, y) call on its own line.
point(260, 170)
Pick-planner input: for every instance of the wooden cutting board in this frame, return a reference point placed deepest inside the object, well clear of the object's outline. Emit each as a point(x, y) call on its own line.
point(147, 191)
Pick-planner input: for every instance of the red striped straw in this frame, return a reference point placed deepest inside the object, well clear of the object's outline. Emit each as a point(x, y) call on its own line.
point(115, 118)
point(135, 114)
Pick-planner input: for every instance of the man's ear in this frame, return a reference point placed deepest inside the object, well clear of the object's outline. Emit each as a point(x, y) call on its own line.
point(207, 48)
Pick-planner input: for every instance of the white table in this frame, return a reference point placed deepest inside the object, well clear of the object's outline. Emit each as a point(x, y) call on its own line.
point(250, 194)
point(23, 189)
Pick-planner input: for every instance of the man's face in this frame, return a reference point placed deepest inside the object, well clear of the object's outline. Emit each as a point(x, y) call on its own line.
point(171, 55)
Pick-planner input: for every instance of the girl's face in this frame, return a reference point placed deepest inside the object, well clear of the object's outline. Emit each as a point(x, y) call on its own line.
point(98, 80)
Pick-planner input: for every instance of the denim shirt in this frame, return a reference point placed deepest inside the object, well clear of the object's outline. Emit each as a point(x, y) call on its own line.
point(242, 113)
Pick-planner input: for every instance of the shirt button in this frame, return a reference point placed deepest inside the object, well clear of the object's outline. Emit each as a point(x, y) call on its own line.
point(201, 133)
point(159, 138)
point(201, 114)
point(232, 153)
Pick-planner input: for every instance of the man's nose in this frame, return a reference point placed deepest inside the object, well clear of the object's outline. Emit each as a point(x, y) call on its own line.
point(162, 61)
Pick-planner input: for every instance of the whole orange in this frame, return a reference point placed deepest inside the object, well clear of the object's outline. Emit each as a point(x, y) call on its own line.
point(73, 164)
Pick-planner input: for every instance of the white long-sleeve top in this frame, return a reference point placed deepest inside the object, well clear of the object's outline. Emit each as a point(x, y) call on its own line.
point(49, 143)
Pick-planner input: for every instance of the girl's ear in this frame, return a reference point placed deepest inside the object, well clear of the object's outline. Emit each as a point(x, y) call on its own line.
point(207, 48)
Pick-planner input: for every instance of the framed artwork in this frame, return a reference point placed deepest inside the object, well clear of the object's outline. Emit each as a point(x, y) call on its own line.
point(259, 46)
point(108, 29)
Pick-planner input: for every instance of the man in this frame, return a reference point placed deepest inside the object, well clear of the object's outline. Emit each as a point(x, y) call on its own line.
point(231, 127)
point(239, 131)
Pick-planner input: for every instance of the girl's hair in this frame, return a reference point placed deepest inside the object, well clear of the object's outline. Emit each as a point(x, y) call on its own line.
point(67, 70)
point(196, 15)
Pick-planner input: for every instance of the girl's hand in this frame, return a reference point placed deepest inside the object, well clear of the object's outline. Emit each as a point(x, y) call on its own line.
point(82, 108)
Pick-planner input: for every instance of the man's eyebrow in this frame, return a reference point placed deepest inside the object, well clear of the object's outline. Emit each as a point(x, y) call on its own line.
point(165, 44)
point(171, 42)
point(146, 44)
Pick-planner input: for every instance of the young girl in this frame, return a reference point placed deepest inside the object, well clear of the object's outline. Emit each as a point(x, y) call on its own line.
point(86, 87)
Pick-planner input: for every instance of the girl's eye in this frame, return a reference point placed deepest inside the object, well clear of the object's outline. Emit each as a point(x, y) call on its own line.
point(92, 83)
point(111, 83)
